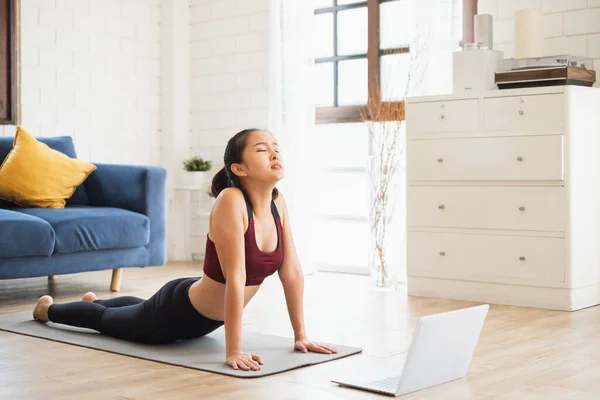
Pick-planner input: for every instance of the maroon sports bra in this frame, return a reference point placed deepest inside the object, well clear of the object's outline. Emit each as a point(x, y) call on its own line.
point(259, 264)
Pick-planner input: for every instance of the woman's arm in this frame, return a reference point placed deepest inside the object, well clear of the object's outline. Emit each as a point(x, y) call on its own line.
point(292, 280)
point(227, 233)
point(291, 275)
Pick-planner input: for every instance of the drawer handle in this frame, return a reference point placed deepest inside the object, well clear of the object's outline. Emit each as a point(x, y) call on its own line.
point(441, 206)
point(442, 117)
point(522, 258)
point(521, 112)
point(442, 253)
point(519, 158)
point(440, 160)
point(521, 208)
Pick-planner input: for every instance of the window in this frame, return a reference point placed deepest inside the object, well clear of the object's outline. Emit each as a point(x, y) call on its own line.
point(8, 44)
point(362, 54)
point(346, 67)
point(340, 231)
point(349, 48)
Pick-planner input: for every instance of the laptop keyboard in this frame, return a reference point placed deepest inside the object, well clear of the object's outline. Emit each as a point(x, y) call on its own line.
point(388, 384)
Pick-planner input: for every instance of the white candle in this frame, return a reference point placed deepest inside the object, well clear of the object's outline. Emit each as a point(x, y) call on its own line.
point(528, 34)
point(483, 30)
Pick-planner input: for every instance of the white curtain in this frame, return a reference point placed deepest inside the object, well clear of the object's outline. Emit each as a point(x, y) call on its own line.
point(291, 111)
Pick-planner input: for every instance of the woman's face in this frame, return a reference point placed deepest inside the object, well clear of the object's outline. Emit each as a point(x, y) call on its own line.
point(261, 159)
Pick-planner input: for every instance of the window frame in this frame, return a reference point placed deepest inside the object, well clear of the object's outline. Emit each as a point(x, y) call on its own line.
point(358, 113)
point(9, 104)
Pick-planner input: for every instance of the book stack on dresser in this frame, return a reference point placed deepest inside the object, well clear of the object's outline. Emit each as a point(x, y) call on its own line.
point(503, 197)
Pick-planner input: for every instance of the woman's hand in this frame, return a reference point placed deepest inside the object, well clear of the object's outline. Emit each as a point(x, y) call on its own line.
point(245, 361)
point(305, 345)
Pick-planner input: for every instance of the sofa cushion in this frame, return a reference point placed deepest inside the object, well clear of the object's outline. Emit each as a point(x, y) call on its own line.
point(24, 235)
point(65, 145)
point(34, 175)
point(81, 228)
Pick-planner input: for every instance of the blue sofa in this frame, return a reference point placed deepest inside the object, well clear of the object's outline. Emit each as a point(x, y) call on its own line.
point(115, 219)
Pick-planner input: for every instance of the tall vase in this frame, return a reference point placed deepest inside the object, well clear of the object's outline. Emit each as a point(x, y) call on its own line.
point(379, 268)
point(381, 201)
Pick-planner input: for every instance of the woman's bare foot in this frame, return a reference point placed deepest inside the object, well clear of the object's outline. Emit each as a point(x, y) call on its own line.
point(40, 312)
point(89, 296)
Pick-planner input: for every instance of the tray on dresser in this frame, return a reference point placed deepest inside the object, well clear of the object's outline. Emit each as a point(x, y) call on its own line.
point(548, 76)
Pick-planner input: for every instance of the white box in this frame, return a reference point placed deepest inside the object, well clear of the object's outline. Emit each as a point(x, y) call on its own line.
point(474, 69)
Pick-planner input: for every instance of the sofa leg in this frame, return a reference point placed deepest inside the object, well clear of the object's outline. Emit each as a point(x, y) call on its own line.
point(115, 283)
point(51, 277)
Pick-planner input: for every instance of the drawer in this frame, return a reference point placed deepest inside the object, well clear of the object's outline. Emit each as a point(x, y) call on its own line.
point(442, 116)
point(525, 114)
point(486, 258)
point(487, 207)
point(518, 158)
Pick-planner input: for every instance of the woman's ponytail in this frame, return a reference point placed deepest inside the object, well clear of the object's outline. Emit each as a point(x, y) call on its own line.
point(219, 182)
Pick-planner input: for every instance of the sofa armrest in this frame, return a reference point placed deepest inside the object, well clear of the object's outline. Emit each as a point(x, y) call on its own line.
point(140, 189)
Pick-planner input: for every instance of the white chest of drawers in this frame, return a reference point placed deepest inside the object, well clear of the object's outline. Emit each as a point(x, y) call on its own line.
point(503, 197)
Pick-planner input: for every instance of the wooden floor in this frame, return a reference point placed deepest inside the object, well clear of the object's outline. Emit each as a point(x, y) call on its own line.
point(522, 353)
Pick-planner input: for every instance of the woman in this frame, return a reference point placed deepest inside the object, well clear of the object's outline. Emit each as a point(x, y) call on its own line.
point(249, 239)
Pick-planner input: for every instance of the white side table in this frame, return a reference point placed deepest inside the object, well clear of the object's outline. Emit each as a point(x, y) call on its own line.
point(189, 216)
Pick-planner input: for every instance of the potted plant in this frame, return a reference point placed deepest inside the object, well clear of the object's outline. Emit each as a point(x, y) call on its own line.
point(196, 171)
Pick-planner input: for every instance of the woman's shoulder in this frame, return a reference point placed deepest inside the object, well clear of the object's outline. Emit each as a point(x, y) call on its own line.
point(280, 200)
point(230, 194)
point(230, 203)
point(281, 206)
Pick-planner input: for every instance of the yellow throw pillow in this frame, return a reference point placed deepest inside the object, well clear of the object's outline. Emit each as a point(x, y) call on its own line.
point(34, 175)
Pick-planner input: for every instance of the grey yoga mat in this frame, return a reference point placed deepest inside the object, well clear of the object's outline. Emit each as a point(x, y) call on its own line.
point(206, 353)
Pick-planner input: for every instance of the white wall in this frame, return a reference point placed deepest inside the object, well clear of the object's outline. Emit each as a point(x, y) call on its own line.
point(91, 69)
point(569, 26)
point(146, 82)
point(175, 117)
point(229, 80)
point(229, 42)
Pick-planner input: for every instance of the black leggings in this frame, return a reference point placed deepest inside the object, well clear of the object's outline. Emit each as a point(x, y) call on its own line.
point(165, 317)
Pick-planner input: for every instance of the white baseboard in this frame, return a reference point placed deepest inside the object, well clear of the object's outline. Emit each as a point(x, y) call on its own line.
point(563, 299)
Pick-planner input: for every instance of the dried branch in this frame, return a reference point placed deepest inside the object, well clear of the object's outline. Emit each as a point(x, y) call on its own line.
point(385, 122)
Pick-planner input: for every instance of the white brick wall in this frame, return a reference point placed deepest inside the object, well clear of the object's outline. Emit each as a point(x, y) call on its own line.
point(229, 42)
point(90, 69)
point(569, 26)
point(229, 67)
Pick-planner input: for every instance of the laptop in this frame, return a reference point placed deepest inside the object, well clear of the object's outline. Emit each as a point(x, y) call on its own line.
point(441, 351)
